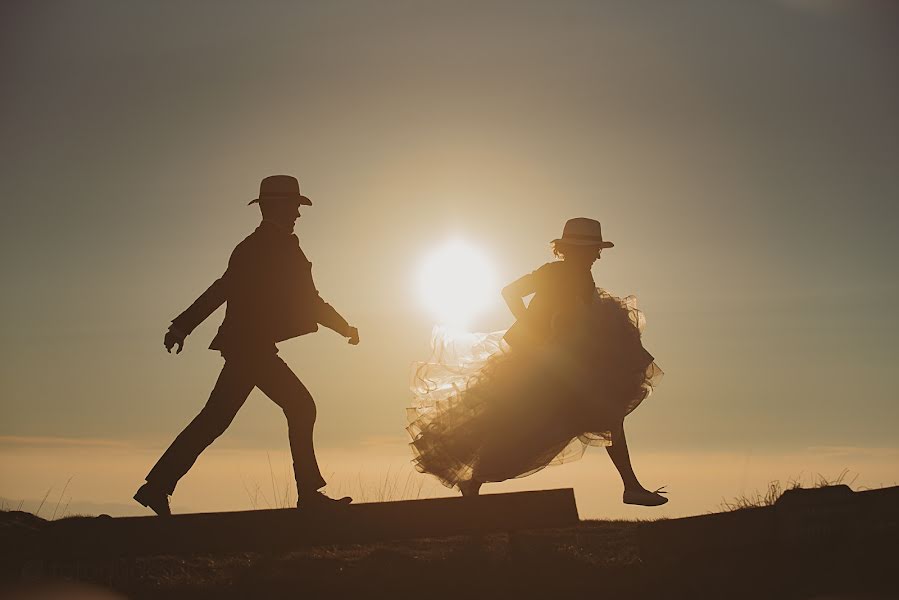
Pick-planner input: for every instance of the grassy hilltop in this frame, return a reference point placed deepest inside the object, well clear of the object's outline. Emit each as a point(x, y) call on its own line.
point(835, 548)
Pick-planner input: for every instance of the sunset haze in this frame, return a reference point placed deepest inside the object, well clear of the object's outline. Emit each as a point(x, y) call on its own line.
point(742, 156)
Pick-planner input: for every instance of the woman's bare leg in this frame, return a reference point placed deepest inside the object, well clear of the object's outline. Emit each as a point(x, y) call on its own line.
point(634, 492)
point(621, 458)
point(470, 488)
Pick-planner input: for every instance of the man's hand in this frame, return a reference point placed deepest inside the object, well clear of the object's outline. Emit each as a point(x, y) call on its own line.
point(353, 337)
point(172, 337)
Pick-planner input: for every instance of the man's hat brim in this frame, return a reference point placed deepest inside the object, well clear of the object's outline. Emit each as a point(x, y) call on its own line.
point(302, 200)
point(584, 242)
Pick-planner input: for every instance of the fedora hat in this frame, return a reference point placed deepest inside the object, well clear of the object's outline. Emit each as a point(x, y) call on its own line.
point(581, 231)
point(281, 187)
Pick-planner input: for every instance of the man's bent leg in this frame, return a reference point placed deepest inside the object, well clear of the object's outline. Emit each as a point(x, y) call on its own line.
point(234, 384)
point(280, 384)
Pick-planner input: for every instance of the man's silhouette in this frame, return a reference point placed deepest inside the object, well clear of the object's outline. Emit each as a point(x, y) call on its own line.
point(270, 298)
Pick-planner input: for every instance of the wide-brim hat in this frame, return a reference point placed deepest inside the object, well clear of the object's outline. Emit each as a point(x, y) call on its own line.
point(281, 187)
point(582, 231)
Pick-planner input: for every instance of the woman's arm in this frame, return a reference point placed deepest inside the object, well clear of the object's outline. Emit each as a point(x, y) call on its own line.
point(515, 291)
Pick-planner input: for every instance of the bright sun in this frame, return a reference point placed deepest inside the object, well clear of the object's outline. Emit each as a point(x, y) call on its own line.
point(456, 282)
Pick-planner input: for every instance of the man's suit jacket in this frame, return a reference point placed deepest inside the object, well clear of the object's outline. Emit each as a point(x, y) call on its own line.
point(269, 292)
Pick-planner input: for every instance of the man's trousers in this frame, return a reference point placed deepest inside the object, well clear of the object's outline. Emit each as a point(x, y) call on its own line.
point(241, 373)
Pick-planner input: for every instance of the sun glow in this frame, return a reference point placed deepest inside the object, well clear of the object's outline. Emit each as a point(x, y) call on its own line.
point(456, 282)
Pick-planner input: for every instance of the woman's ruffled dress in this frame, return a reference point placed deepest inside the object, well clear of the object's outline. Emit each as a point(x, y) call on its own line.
point(488, 412)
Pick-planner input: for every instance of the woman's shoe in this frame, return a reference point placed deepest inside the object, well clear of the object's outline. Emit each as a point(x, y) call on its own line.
point(644, 497)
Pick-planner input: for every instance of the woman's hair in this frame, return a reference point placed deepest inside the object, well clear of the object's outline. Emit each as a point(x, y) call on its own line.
point(560, 249)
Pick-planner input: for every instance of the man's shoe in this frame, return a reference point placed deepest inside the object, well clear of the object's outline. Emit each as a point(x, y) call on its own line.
point(317, 500)
point(154, 499)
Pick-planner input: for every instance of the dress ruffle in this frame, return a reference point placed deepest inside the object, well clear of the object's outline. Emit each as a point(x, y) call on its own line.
point(485, 411)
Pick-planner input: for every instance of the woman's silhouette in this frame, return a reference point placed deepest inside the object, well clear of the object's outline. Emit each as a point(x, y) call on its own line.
point(564, 376)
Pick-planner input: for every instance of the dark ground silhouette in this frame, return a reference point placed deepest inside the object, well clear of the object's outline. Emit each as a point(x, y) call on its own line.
point(848, 552)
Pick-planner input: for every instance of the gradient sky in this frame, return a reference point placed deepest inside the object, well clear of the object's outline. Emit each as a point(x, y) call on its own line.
point(743, 156)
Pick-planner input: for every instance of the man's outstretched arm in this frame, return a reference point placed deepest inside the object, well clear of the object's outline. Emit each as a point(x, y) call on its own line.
point(324, 313)
point(184, 324)
point(327, 315)
point(206, 304)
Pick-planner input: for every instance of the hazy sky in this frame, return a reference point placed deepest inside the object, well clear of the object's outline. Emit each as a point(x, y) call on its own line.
point(743, 156)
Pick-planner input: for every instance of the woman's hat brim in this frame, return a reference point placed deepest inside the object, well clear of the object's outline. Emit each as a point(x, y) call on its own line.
point(582, 242)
